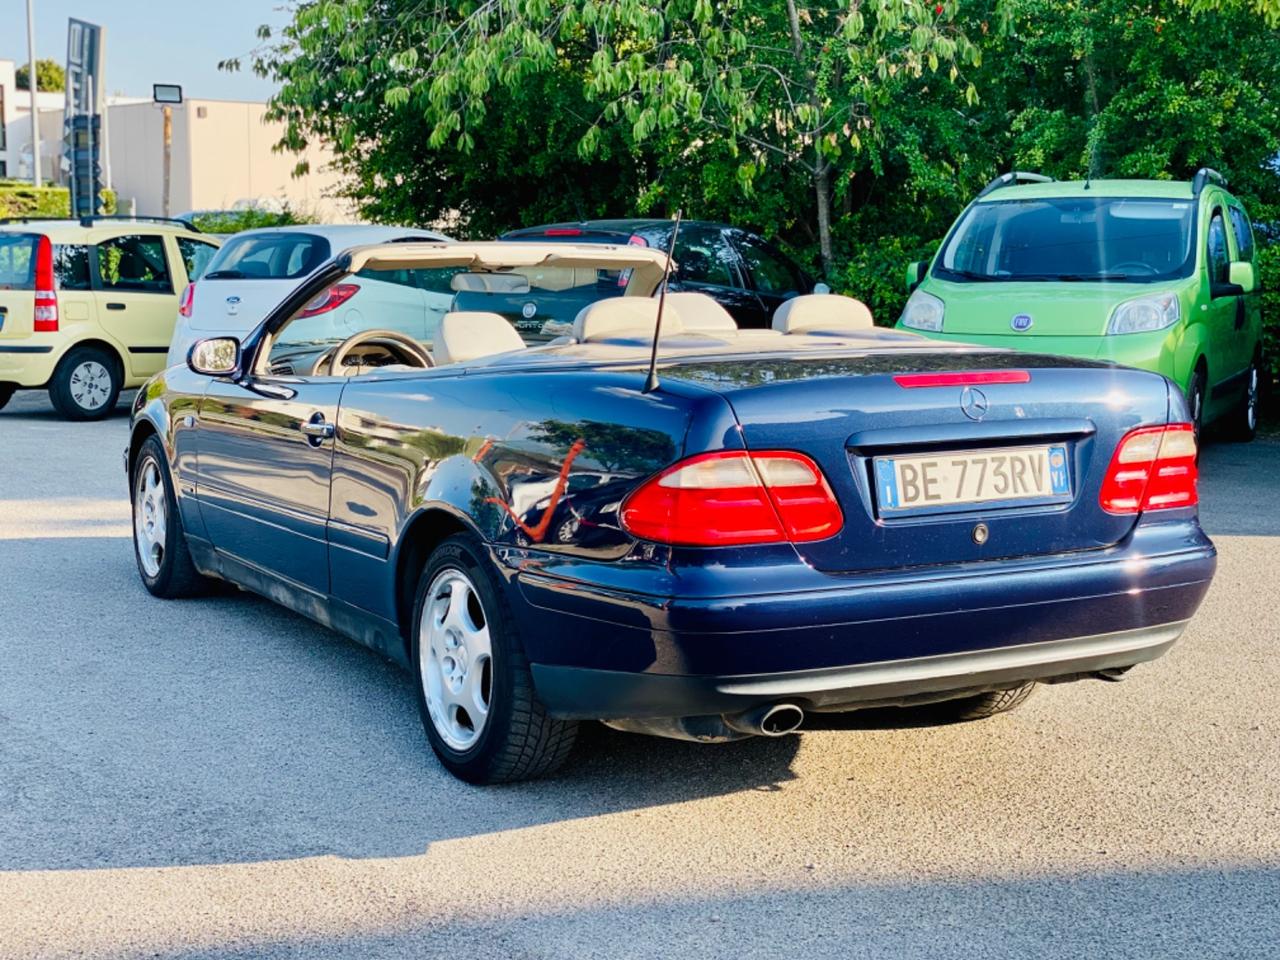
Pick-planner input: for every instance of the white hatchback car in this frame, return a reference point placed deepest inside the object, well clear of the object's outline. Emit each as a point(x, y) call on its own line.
point(256, 269)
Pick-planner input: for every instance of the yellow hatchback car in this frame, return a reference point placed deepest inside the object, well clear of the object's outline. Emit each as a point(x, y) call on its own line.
point(87, 307)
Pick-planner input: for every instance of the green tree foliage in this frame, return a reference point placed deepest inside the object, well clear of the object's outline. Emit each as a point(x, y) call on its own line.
point(753, 83)
point(497, 113)
point(50, 77)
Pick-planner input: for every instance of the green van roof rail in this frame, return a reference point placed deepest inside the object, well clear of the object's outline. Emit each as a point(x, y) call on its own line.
point(1206, 175)
point(1011, 178)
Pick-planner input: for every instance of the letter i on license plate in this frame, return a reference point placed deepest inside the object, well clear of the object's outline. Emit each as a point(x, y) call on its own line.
point(973, 476)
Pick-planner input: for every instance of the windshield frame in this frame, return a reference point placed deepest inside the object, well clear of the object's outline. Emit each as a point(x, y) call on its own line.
point(1186, 269)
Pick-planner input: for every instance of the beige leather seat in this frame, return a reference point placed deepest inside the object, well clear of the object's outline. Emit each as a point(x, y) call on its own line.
point(468, 335)
point(700, 313)
point(822, 313)
point(619, 317)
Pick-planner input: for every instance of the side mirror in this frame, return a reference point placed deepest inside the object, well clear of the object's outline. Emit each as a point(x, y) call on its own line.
point(821, 287)
point(915, 273)
point(216, 357)
point(1241, 274)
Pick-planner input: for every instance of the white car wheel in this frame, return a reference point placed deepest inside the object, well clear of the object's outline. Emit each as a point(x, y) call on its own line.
point(455, 658)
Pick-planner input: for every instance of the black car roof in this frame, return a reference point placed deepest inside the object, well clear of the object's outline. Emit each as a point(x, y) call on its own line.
point(621, 227)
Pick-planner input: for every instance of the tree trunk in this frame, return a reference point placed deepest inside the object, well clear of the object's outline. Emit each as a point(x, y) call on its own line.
point(822, 190)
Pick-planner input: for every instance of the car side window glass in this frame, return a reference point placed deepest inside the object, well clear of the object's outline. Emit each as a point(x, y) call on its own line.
point(770, 273)
point(1244, 234)
point(704, 256)
point(196, 255)
point(1219, 258)
point(134, 263)
point(71, 266)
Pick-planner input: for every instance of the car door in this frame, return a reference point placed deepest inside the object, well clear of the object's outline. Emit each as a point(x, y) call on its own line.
point(265, 455)
point(1249, 309)
point(773, 278)
point(1224, 303)
point(708, 264)
point(137, 303)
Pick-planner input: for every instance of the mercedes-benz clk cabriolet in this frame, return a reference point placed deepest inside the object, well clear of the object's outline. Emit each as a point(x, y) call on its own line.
point(820, 517)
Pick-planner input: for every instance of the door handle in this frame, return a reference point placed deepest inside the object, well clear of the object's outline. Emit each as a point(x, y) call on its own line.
point(316, 429)
point(115, 306)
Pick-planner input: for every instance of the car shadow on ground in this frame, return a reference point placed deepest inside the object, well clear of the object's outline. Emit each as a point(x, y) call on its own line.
point(227, 729)
point(1170, 914)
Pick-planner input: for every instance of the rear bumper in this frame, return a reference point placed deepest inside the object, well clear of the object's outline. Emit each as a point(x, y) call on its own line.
point(827, 641)
point(28, 364)
point(616, 695)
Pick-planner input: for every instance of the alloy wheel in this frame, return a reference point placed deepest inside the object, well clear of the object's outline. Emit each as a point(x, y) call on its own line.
point(455, 659)
point(150, 517)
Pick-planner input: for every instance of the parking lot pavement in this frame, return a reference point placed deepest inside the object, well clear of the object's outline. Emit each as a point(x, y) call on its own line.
point(221, 778)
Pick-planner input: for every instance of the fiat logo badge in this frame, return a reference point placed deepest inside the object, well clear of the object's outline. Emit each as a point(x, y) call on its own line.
point(528, 310)
point(1021, 322)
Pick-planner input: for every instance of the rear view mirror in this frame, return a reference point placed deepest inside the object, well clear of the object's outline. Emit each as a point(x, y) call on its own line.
point(216, 357)
point(490, 283)
point(821, 287)
point(1242, 275)
point(915, 273)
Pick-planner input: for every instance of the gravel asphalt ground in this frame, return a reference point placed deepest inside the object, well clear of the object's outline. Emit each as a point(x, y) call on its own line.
point(221, 778)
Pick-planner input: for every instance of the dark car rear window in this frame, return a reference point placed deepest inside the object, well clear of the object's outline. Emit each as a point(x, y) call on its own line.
point(268, 256)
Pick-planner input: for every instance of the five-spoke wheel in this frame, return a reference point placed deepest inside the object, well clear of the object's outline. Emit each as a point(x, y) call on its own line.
point(475, 692)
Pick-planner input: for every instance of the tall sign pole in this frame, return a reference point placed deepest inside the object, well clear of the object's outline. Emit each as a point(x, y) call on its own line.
point(32, 85)
point(83, 119)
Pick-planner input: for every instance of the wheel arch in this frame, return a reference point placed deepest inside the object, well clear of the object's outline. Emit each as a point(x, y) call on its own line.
point(425, 531)
point(97, 343)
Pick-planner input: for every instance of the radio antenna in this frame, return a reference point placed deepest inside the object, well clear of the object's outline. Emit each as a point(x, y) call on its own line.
point(651, 381)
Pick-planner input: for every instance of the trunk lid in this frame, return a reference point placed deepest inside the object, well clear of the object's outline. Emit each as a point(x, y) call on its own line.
point(848, 413)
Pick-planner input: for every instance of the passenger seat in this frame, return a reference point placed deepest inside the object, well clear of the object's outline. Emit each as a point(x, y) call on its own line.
point(470, 335)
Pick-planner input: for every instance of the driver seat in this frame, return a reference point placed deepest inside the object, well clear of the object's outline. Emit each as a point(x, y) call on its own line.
point(471, 334)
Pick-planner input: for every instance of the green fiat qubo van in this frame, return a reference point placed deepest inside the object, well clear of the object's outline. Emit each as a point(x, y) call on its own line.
point(1146, 273)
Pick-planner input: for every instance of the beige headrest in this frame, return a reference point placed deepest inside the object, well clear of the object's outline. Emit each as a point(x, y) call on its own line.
point(619, 316)
point(822, 311)
point(699, 312)
point(466, 335)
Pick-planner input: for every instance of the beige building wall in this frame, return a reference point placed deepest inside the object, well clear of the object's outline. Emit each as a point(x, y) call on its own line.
point(222, 157)
point(232, 157)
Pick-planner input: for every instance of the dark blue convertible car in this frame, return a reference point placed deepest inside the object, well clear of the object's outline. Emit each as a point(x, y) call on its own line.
point(817, 517)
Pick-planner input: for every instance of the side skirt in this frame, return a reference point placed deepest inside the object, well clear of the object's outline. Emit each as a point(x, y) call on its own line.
point(361, 626)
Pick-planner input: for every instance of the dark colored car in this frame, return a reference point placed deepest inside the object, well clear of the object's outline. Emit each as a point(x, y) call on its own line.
point(816, 518)
point(741, 271)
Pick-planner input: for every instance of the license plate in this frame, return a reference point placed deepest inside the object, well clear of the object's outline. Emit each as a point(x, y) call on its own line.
point(936, 480)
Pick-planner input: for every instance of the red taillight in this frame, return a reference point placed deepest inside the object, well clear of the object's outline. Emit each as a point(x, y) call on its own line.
point(188, 298)
point(1153, 468)
point(735, 497)
point(331, 299)
point(962, 378)
point(45, 319)
point(562, 232)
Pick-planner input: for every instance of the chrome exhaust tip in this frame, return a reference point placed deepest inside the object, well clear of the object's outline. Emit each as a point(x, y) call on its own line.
point(770, 720)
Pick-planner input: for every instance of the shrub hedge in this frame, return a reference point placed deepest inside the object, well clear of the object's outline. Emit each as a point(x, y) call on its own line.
point(19, 199)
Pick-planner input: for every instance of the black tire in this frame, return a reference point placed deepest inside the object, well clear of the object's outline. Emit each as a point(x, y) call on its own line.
point(1196, 395)
point(518, 739)
point(1242, 423)
point(174, 575)
point(7, 390)
point(86, 384)
point(987, 704)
